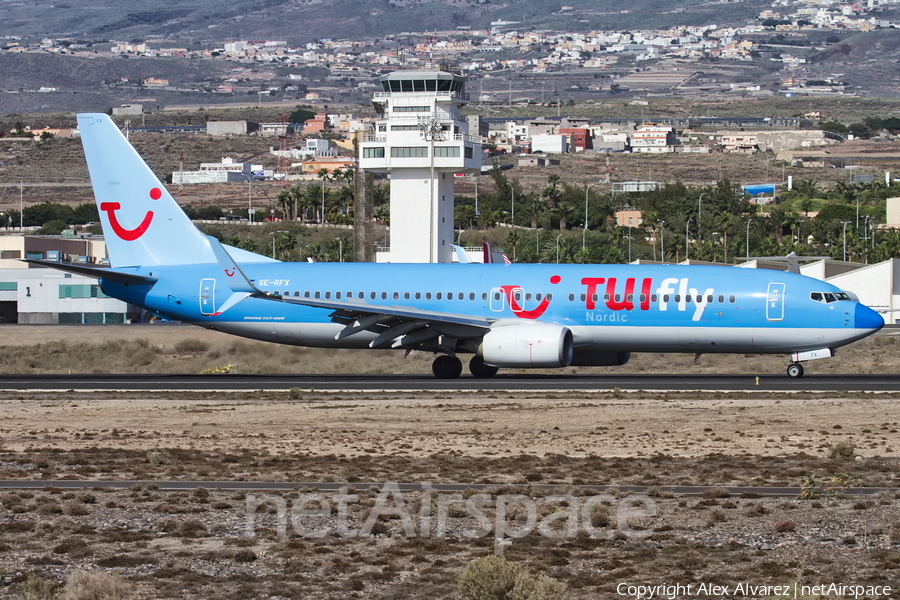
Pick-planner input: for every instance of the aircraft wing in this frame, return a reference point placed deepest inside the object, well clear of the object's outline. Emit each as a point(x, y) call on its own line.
point(395, 326)
point(353, 308)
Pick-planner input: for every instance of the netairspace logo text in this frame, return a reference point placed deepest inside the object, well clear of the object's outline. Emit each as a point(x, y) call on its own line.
point(674, 592)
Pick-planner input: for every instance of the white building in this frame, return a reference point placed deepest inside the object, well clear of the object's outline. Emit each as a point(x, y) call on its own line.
point(221, 172)
point(557, 143)
point(421, 140)
point(653, 138)
point(30, 294)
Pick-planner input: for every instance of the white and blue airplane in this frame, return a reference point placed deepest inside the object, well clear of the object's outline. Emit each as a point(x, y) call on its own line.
point(505, 316)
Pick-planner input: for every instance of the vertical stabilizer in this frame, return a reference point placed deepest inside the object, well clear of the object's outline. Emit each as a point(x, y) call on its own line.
point(142, 223)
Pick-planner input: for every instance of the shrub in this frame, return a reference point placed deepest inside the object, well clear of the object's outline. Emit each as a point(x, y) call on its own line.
point(541, 587)
point(718, 492)
point(296, 393)
point(785, 526)
point(244, 556)
point(38, 588)
point(842, 451)
point(494, 578)
point(487, 578)
point(84, 585)
point(191, 345)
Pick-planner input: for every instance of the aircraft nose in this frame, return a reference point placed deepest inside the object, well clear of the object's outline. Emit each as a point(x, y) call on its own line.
point(866, 318)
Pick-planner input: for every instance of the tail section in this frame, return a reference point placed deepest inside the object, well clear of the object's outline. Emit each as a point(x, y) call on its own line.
point(142, 223)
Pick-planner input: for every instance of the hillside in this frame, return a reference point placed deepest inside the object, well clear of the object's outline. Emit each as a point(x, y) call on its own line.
point(298, 21)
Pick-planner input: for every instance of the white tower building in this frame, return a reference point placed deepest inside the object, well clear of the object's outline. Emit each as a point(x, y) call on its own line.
point(421, 140)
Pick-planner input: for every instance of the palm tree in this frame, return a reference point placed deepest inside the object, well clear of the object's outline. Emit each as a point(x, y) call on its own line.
point(566, 209)
point(512, 240)
point(533, 209)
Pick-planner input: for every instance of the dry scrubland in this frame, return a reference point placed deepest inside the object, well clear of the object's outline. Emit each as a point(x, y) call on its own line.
point(178, 349)
point(193, 544)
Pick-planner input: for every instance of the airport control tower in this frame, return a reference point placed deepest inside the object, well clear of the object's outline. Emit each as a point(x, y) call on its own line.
point(422, 141)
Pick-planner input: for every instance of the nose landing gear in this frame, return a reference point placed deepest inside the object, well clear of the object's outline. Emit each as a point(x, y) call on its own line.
point(795, 370)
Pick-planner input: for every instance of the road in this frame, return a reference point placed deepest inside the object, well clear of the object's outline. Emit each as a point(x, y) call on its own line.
point(399, 383)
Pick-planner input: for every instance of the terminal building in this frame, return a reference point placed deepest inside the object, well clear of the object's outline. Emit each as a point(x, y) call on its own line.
point(420, 141)
point(38, 295)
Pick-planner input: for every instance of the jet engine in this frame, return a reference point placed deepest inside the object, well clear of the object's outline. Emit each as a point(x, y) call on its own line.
point(527, 345)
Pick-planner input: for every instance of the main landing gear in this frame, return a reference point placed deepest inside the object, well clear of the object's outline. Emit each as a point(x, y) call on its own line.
point(446, 367)
point(795, 370)
point(480, 370)
point(450, 367)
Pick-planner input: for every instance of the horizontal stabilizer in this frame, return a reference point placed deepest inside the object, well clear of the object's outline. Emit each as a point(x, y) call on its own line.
point(96, 272)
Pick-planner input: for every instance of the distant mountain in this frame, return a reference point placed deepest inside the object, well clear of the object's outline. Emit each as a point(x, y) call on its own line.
point(298, 21)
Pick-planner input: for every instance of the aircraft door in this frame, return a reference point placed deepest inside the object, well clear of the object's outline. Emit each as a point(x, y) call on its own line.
point(498, 299)
point(207, 296)
point(775, 302)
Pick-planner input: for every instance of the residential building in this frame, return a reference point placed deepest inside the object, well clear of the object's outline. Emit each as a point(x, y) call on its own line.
point(653, 138)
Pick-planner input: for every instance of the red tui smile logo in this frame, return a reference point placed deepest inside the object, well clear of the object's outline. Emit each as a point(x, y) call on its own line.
point(129, 235)
point(511, 291)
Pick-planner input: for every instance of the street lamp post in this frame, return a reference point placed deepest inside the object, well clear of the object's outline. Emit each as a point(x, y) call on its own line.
point(700, 215)
point(629, 244)
point(687, 239)
point(512, 203)
point(21, 203)
point(798, 230)
point(340, 249)
point(845, 223)
point(557, 247)
point(584, 232)
point(249, 196)
point(475, 179)
point(274, 233)
point(748, 238)
point(662, 242)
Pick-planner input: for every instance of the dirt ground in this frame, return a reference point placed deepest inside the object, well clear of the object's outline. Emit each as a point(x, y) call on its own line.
point(218, 544)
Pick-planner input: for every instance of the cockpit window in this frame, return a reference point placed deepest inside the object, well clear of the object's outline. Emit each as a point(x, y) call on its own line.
point(828, 297)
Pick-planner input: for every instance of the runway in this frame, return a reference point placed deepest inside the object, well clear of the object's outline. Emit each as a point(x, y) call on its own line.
point(406, 383)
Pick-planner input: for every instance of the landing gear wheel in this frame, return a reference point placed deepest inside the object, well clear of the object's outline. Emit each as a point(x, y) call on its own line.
point(446, 367)
point(795, 370)
point(481, 370)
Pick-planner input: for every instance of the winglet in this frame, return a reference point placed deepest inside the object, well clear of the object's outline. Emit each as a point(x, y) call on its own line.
point(793, 262)
point(461, 256)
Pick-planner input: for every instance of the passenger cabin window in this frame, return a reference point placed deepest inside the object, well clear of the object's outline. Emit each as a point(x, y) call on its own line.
point(732, 299)
point(428, 295)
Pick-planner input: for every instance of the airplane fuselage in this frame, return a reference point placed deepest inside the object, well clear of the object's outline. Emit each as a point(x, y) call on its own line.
point(622, 308)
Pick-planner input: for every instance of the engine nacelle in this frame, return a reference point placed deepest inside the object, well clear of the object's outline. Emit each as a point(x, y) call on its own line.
point(600, 359)
point(528, 345)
